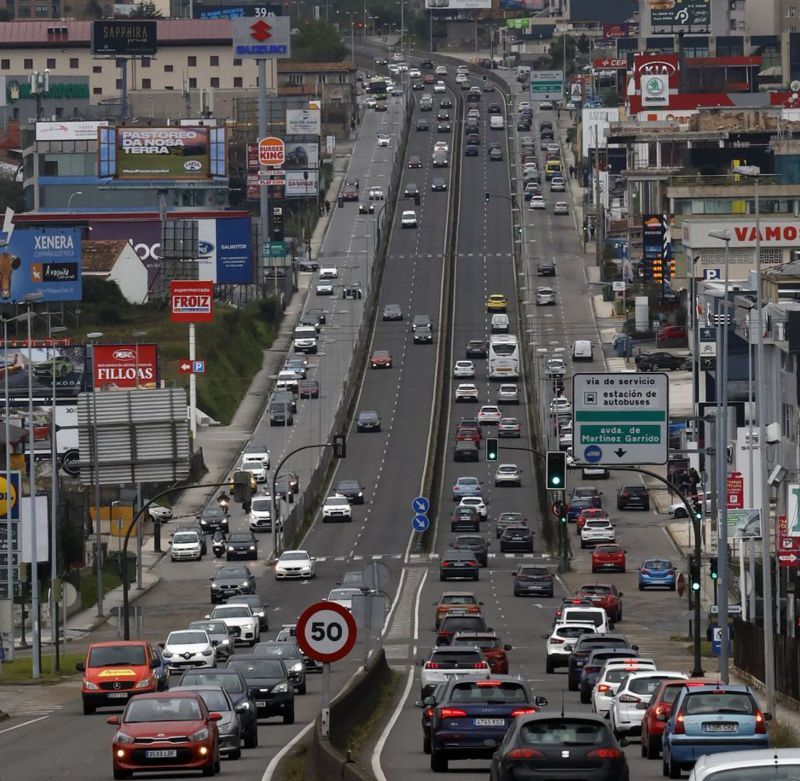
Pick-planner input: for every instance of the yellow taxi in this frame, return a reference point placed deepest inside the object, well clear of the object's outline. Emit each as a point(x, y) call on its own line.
point(496, 302)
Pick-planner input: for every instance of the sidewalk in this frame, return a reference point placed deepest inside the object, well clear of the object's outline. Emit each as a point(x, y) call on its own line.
point(221, 445)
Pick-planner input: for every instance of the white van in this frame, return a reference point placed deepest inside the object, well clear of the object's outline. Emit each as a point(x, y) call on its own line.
point(496, 122)
point(523, 73)
point(499, 323)
point(595, 615)
point(305, 339)
point(582, 350)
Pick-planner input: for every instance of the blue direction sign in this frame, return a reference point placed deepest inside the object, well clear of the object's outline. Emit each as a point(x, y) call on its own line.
point(420, 504)
point(420, 522)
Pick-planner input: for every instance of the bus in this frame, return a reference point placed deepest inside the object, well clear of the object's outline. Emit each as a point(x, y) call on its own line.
point(377, 87)
point(503, 357)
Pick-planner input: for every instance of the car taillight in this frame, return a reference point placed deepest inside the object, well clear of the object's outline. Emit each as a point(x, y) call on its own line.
point(524, 753)
point(480, 666)
point(428, 713)
point(556, 641)
point(473, 609)
point(445, 563)
point(603, 687)
point(604, 753)
point(679, 728)
point(452, 713)
point(431, 665)
point(645, 571)
point(761, 724)
point(628, 698)
point(522, 712)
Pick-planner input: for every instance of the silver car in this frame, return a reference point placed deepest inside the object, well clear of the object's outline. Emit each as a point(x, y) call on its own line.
point(508, 474)
point(545, 296)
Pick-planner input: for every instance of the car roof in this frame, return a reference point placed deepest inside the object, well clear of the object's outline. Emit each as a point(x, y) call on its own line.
point(749, 758)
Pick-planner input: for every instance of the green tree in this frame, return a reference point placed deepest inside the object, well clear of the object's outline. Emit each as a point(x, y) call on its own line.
point(556, 54)
point(317, 41)
point(610, 97)
point(583, 44)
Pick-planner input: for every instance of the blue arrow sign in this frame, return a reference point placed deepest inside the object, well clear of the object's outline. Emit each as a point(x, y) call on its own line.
point(198, 367)
point(420, 523)
point(420, 505)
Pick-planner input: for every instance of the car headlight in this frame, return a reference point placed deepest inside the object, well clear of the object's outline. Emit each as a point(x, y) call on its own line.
point(281, 687)
point(201, 734)
point(168, 654)
point(207, 651)
point(215, 585)
point(297, 667)
point(245, 583)
point(122, 737)
point(90, 686)
point(226, 641)
point(230, 547)
point(143, 684)
point(245, 705)
point(252, 547)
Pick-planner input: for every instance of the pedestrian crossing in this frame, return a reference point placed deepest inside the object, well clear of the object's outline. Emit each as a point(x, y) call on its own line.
point(32, 709)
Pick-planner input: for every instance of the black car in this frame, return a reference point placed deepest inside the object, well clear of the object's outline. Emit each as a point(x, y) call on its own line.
point(579, 745)
point(584, 646)
point(352, 489)
point(287, 485)
point(466, 450)
point(306, 264)
point(443, 127)
point(417, 85)
point(438, 184)
point(476, 348)
point(212, 519)
point(319, 314)
point(231, 581)
point(633, 496)
point(473, 139)
point(529, 580)
point(288, 652)
point(411, 190)
point(456, 621)
point(475, 543)
point(459, 564)
point(445, 103)
point(257, 608)
point(423, 335)
point(269, 684)
point(236, 687)
point(465, 519)
point(546, 268)
point(649, 362)
point(495, 108)
point(426, 65)
point(506, 519)
point(368, 420)
point(443, 116)
point(471, 151)
point(423, 124)
point(516, 539)
point(241, 545)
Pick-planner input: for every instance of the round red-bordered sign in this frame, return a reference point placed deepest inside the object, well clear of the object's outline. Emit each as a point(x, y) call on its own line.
point(326, 632)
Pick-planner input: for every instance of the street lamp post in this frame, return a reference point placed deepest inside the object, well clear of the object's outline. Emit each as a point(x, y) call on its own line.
point(98, 549)
point(72, 195)
point(137, 335)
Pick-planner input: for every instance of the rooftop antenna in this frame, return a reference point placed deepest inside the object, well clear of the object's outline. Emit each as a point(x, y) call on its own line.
point(562, 703)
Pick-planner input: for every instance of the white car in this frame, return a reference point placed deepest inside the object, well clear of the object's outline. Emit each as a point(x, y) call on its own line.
point(445, 663)
point(553, 149)
point(467, 391)
point(441, 146)
point(324, 288)
point(414, 73)
point(477, 504)
point(260, 517)
point(295, 564)
point(678, 509)
point(336, 508)
point(560, 405)
point(545, 296)
point(762, 762)
point(371, 102)
point(561, 208)
point(328, 272)
point(634, 694)
point(585, 614)
point(596, 531)
point(186, 545)
point(256, 468)
point(461, 77)
point(189, 648)
point(241, 620)
point(508, 393)
point(439, 87)
point(538, 202)
point(383, 139)
point(441, 70)
point(555, 367)
point(376, 193)
point(560, 636)
point(489, 414)
point(287, 380)
point(257, 451)
point(343, 596)
point(508, 474)
point(464, 369)
point(611, 677)
point(408, 219)
point(523, 104)
point(157, 512)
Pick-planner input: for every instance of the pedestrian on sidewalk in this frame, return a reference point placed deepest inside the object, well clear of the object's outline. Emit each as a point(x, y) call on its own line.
point(591, 230)
point(572, 171)
point(327, 206)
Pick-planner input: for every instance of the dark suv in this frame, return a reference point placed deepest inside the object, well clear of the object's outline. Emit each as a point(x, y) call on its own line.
point(633, 497)
point(454, 622)
point(583, 648)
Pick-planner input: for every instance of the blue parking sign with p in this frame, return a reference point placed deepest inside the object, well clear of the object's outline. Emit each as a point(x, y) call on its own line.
point(9, 495)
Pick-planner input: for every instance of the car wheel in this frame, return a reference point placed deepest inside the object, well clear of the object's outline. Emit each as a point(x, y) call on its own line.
point(172, 559)
point(235, 754)
point(651, 748)
point(251, 739)
point(623, 569)
point(572, 684)
point(586, 698)
point(288, 716)
point(594, 570)
point(302, 688)
point(88, 710)
point(646, 507)
point(426, 743)
point(438, 761)
point(619, 617)
point(672, 587)
point(441, 577)
point(550, 667)
point(252, 642)
point(516, 593)
point(210, 770)
point(680, 513)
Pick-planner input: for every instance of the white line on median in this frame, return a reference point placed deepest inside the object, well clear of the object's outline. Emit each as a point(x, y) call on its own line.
point(376, 757)
point(23, 724)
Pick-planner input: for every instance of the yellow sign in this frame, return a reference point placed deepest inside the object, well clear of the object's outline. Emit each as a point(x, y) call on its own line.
point(7, 487)
point(117, 673)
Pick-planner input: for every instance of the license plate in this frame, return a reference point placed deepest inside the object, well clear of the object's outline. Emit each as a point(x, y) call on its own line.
point(118, 695)
point(261, 703)
point(490, 722)
point(161, 753)
point(723, 727)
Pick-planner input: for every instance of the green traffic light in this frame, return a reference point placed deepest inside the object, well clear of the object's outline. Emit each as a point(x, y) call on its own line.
point(695, 587)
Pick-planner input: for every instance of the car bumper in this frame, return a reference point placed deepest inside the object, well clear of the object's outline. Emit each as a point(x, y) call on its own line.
point(186, 555)
point(608, 565)
point(602, 704)
point(450, 573)
point(221, 595)
point(545, 590)
point(558, 659)
point(507, 481)
point(292, 574)
point(650, 582)
point(336, 517)
point(110, 699)
point(192, 757)
point(274, 704)
point(261, 525)
point(516, 547)
point(187, 664)
point(684, 752)
point(233, 555)
point(229, 741)
point(586, 540)
point(510, 433)
point(468, 745)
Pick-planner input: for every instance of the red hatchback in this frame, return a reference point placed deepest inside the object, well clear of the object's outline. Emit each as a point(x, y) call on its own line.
point(166, 731)
point(381, 359)
point(608, 557)
point(603, 595)
point(658, 712)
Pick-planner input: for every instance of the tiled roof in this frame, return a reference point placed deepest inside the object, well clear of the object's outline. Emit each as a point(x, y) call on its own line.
point(99, 256)
point(31, 33)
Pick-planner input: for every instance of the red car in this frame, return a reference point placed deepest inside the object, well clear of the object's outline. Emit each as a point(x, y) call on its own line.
point(165, 731)
point(381, 359)
point(672, 333)
point(658, 712)
point(493, 650)
point(603, 595)
point(608, 557)
point(585, 514)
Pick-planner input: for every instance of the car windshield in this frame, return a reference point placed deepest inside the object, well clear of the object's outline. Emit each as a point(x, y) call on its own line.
point(279, 651)
point(186, 638)
point(232, 572)
point(162, 709)
point(337, 500)
point(231, 683)
point(455, 658)
point(343, 593)
point(458, 599)
point(573, 631)
point(184, 537)
point(258, 668)
point(294, 557)
point(596, 589)
point(214, 700)
point(573, 732)
point(492, 691)
point(616, 676)
point(718, 702)
point(646, 686)
point(468, 623)
point(261, 505)
point(533, 571)
point(593, 616)
point(232, 611)
point(670, 693)
point(484, 643)
point(114, 655)
point(252, 601)
point(240, 537)
point(210, 627)
point(213, 512)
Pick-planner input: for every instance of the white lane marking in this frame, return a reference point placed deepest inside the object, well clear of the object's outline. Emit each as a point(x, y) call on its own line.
point(394, 601)
point(24, 724)
point(416, 605)
point(377, 770)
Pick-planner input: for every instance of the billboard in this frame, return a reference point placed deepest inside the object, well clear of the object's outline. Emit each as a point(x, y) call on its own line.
point(41, 261)
point(679, 13)
point(594, 124)
point(163, 153)
point(654, 235)
point(616, 30)
point(68, 131)
point(236, 10)
point(261, 39)
point(303, 184)
point(302, 155)
point(457, 5)
point(117, 37)
point(117, 366)
point(303, 122)
point(41, 360)
point(191, 301)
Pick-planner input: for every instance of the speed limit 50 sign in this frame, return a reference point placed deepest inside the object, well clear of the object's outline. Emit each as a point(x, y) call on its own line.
point(326, 632)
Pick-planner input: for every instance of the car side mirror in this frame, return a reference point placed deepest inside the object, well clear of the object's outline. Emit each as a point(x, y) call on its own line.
point(243, 708)
point(480, 603)
point(161, 646)
point(215, 717)
point(489, 629)
point(635, 647)
point(545, 636)
point(113, 720)
point(419, 704)
point(508, 647)
point(81, 667)
point(206, 617)
point(540, 702)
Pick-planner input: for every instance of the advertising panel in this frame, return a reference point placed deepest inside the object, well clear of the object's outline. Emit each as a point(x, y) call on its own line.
point(118, 37)
point(67, 361)
point(303, 155)
point(262, 39)
point(191, 301)
point(595, 123)
point(679, 13)
point(10, 488)
point(271, 151)
point(654, 231)
point(303, 122)
point(616, 30)
point(45, 262)
point(457, 5)
point(234, 251)
point(117, 366)
point(163, 153)
point(775, 232)
point(212, 11)
point(655, 90)
point(303, 184)
point(68, 131)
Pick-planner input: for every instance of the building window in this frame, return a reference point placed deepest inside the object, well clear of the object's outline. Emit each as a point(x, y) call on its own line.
point(213, 61)
point(788, 421)
point(192, 83)
point(74, 63)
point(145, 62)
point(24, 13)
point(42, 11)
point(5, 65)
point(237, 81)
point(118, 83)
point(97, 90)
point(97, 68)
point(145, 83)
point(214, 82)
point(191, 61)
point(27, 64)
point(51, 62)
point(237, 61)
point(295, 79)
point(121, 62)
point(168, 69)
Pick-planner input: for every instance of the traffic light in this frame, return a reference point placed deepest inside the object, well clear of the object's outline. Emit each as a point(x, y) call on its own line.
point(339, 446)
point(487, 197)
point(714, 563)
point(242, 490)
point(694, 573)
point(491, 449)
point(556, 470)
point(698, 510)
